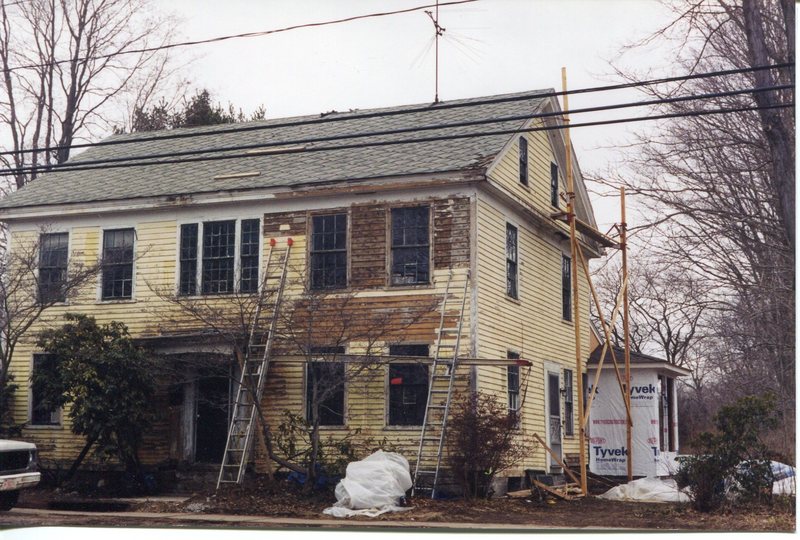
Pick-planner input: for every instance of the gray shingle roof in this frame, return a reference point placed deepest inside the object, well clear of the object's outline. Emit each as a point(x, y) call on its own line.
point(64, 187)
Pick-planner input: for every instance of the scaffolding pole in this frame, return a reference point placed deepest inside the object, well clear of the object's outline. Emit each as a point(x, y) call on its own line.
point(623, 241)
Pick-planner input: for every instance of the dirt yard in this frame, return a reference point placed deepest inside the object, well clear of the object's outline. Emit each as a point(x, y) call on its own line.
point(287, 501)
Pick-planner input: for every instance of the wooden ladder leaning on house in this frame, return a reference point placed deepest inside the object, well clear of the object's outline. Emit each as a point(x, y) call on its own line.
point(443, 369)
point(255, 365)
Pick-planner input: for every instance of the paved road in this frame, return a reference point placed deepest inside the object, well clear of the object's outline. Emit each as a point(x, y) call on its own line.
point(28, 517)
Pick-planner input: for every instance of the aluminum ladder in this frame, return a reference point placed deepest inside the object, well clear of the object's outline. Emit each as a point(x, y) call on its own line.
point(443, 371)
point(255, 366)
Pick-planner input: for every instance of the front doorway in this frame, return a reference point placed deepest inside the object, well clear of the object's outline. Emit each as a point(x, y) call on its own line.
point(211, 417)
point(553, 417)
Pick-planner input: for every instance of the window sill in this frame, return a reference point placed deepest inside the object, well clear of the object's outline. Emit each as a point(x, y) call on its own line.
point(568, 323)
point(44, 427)
point(117, 301)
point(402, 428)
point(335, 428)
point(513, 300)
point(408, 287)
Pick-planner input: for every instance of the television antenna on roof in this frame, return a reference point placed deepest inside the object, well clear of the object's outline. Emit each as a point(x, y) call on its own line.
point(438, 31)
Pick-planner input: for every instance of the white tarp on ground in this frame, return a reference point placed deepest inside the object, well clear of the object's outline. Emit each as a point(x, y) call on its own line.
point(785, 479)
point(648, 489)
point(372, 486)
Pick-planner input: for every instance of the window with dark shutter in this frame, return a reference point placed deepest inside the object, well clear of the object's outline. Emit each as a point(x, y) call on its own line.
point(523, 161)
point(411, 245)
point(408, 387)
point(41, 414)
point(512, 272)
point(117, 264)
point(188, 260)
point(569, 422)
point(554, 184)
point(329, 251)
point(248, 255)
point(219, 248)
point(53, 259)
point(566, 288)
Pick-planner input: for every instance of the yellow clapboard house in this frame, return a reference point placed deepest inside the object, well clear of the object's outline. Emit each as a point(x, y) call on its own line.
point(383, 207)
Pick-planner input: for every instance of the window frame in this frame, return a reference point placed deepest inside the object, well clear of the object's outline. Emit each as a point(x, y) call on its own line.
point(56, 415)
point(237, 262)
point(397, 350)
point(569, 403)
point(511, 355)
point(62, 297)
point(391, 247)
point(522, 146)
point(345, 251)
point(566, 288)
point(307, 381)
point(512, 263)
point(555, 185)
point(134, 245)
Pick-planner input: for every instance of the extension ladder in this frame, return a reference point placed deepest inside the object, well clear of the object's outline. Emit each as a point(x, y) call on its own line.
point(443, 371)
point(254, 366)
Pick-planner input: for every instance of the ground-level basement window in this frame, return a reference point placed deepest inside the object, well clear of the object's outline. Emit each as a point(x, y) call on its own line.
point(512, 271)
point(569, 422)
point(53, 259)
point(408, 387)
point(411, 245)
point(118, 264)
point(40, 414)
point(329, 251)
point(328, 375)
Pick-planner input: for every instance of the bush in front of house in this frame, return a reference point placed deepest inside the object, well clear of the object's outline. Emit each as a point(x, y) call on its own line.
point(732, 464)
point(483, 440)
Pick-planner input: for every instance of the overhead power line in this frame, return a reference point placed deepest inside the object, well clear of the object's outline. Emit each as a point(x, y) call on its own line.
point(7, 172)
point(397, 131)
point(396, 112)
point(233, 36)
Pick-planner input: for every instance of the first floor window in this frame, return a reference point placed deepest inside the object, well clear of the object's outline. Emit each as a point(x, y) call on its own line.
point(569, 422)
point(327, 378)
point(118, 264)
point(512, 378)
point(566, 288)
point(329, 251)
point(408, 387)
point(411, 245)
point(512, 271)
point(41, 414)
point(53, 259)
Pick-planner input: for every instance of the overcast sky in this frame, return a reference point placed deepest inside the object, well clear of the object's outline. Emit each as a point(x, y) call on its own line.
point(489, 47)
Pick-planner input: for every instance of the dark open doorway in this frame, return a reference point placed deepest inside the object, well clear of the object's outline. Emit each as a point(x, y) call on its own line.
point(213, 406)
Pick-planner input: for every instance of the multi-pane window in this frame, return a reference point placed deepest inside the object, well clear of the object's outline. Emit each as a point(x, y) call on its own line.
point(512, 378)
point(566, 288)
point(188, 259)
point(523, 161)
point(248, 255)
point(216, 240)
point(328, 377)
point(569, 422)
point(512, 272)
point(53, 259)
point(117, 264)
point(408, 387)
point(329, 251)
point(41, 415)
point(554, 184)
point(410, 245)
point(219, 256)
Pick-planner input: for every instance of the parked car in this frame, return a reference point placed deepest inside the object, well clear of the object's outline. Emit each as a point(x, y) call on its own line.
point(18, 470)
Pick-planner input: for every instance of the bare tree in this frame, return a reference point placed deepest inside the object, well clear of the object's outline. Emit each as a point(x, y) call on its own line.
point(69, 67)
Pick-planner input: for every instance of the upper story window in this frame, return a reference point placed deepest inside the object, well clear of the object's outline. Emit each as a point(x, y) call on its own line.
point(208, 257)
point(512, 380)
point(554, 184)
point(329, 251)
point(523, 161)
point(408, 387)
point(53, 258)
point(566, 288)
point(512, 272)
point(327, 378)
point(411, 245)
point(569, 421)
point(117, 282)
point(41, 415)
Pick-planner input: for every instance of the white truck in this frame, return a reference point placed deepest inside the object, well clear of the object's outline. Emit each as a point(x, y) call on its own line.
point(18, 470)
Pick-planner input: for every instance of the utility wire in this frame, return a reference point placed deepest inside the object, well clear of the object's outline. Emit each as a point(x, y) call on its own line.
point(395, 112)
point(398, 131)
point(7, 172)
point(234, 36)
